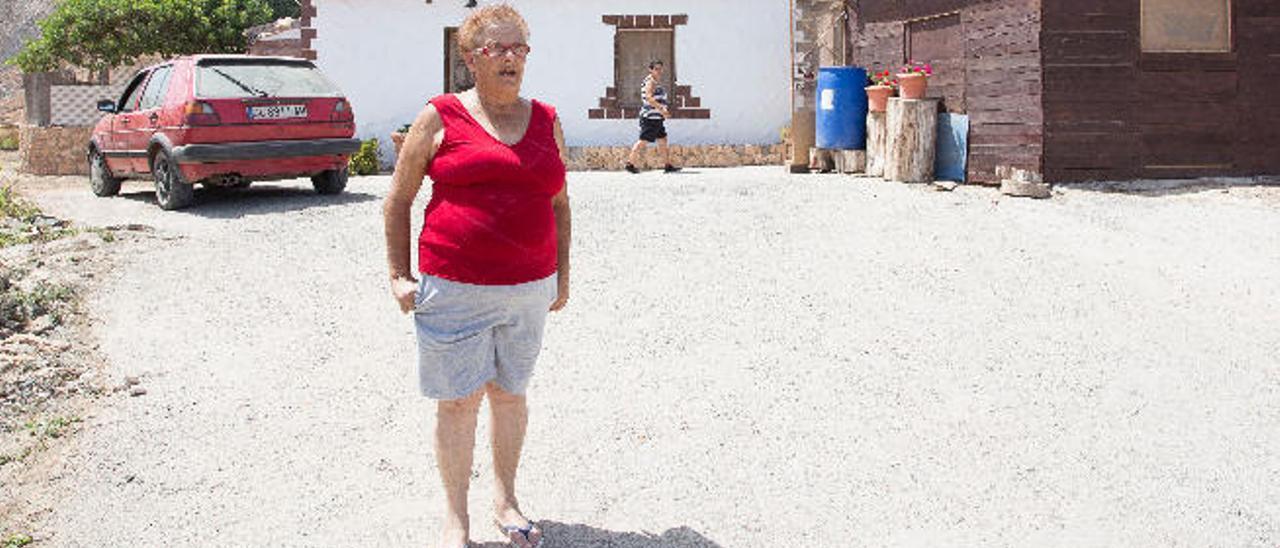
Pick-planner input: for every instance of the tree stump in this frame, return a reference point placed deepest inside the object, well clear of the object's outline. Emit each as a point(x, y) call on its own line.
point(850, 161)
point(822, 160)
point(912, 128)
point(876, 137)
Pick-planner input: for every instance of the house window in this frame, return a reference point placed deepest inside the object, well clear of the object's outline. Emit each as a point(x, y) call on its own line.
point(1186, 25)
point(457, 77)
point(633, 50)
point(639, 39)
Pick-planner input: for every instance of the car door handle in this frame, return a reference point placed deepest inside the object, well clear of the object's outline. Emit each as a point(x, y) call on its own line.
point(154, 118)
point(124, 121)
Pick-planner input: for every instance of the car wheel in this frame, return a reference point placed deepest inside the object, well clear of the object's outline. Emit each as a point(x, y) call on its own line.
point(332, 181)
point(100, 178)
point(171, 191)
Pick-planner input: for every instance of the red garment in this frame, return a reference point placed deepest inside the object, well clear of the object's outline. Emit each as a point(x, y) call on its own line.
point(490, 220)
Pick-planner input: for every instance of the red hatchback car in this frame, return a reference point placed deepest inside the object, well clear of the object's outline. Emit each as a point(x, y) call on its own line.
point(223, 121)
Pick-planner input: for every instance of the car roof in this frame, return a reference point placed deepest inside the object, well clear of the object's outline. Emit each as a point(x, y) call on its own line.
point(196, 59)
point(230, 57)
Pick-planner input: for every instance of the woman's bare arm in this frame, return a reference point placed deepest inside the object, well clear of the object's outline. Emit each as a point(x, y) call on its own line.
point(564, 229)
point(411, 167)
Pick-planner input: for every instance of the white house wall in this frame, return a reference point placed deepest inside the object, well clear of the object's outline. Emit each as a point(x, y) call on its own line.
point(387, 55)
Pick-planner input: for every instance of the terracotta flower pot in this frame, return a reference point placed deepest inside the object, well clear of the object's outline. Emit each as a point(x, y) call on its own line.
point(878, 98)
point(397, 138)
point(912, 85)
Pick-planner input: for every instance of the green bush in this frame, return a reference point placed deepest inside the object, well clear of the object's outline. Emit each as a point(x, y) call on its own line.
point(17, 307)
point(9, 142)
point(16, 540)
point(20, 222)
point(365, 161)
point(13, 206)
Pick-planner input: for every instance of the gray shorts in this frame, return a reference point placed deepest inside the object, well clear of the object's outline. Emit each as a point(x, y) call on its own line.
point(471, 334)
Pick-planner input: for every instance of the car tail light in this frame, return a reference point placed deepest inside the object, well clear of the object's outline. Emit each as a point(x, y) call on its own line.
point(342, 112)
point(200, 113)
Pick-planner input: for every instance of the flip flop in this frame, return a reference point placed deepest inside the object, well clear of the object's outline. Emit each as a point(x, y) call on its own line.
point(529, 536)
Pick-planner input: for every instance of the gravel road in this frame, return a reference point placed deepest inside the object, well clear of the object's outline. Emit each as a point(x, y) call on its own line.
point(749, 359)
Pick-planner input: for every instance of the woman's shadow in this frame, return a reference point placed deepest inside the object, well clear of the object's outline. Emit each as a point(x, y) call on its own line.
point(569, 535)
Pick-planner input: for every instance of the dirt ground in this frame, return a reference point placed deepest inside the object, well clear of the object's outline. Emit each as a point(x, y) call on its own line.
point(749, 359)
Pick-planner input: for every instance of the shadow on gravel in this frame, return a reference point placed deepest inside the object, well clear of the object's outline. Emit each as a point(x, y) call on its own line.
point(565, 535)
point(255, 200)
point(1155, 188)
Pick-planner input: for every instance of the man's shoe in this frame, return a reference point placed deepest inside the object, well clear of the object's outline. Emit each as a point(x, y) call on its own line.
point(632, 168)
point(670, 169)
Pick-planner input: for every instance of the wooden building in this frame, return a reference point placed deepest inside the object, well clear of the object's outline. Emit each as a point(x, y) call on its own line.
point(1094, 89)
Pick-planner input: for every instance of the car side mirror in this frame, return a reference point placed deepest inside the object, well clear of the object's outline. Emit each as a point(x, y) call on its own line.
point(107, 106)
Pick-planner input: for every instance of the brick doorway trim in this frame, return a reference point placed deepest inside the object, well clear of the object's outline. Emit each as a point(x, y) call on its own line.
point(683, 103)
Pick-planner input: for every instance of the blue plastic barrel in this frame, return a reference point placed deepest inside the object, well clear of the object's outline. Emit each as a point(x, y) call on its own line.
point(842, 108)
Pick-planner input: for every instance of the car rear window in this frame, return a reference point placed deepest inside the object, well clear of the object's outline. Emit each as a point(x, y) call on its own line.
point(253, 78)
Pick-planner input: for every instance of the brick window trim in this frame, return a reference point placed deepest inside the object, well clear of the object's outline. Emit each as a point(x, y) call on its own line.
point(683, 104)
point(308, 13)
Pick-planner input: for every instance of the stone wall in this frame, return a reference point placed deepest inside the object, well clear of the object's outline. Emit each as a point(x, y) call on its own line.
point(54, 150)
point(613, 158)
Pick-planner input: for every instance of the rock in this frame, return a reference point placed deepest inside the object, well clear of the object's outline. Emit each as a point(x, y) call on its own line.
point(45, 221)
point(132, 227)
point(39, 342)
point(137, 391)
point(945, 186)
point(82, 242)
point(132, 381)
point(40, 325)
point(1025, 189)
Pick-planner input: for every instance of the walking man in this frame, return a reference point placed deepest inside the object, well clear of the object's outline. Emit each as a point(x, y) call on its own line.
point(653, 114)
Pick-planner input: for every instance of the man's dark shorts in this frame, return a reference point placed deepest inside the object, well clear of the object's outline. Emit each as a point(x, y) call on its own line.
point(652, 129)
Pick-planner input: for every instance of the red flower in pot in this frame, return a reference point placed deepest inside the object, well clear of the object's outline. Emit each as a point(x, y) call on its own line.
point(913, 80)
point(880, 90)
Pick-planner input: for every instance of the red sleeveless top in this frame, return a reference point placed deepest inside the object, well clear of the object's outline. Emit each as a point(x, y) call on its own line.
point(490, 221)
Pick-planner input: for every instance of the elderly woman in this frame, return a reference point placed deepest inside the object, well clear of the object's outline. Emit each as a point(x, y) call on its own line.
point(493, 258)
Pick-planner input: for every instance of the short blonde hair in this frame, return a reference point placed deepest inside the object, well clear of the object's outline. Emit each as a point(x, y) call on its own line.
point(469, 31)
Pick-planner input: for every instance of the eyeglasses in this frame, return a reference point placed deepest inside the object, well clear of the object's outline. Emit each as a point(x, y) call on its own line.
point(494, 49)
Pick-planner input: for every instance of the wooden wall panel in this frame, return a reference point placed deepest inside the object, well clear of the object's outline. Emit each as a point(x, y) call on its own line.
point(939, 41)
point(1091, 88)
point(1115, 112)
point(1004, 83)
point(1000, 79)
point(1258, 102)
point(1073, 74)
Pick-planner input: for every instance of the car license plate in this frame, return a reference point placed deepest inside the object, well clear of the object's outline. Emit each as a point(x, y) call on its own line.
point(277, 112)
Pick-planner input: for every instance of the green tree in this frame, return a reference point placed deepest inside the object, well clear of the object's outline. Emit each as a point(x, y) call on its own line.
point(102, 34)
point(284, 8)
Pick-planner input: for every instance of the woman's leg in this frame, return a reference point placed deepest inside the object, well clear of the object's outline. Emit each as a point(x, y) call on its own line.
point(665, 151)
point(634, 157)
point(455, 445)
point(510, 416)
